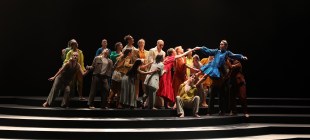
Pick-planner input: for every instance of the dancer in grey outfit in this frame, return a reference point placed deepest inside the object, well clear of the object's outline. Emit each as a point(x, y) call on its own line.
point(63, 78)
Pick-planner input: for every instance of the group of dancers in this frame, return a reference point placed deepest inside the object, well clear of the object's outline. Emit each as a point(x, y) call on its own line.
point(131, 77)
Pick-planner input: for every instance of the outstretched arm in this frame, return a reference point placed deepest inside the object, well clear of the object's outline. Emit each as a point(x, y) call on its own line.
point(184, 54)
point(206, 50)
point(149, 72)
point(93, 64)
point(237, 56)
point(58, 72)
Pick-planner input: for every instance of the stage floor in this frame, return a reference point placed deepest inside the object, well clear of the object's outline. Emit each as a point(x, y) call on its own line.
point(25, 118)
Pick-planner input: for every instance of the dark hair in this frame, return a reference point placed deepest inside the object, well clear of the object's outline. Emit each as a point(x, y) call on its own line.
point(127, 37)
point(159, 58)
point(126, 52)
point(134, 69)
point(170, 51)
point(225, 42)
point(117, 44)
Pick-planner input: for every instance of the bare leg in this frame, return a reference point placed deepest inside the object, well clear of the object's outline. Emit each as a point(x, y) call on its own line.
point(80, 86)
point(111, 95)
point(204, 97)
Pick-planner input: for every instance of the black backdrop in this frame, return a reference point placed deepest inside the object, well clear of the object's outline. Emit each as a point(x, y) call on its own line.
point(269, 33)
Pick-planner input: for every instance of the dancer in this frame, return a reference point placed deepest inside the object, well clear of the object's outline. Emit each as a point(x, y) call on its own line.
point(63, 78)
point(188, 97)
point(212, 69)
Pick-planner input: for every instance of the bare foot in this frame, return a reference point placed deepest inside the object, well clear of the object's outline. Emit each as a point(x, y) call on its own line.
point(45, 104)
point(181, 115)
point(196, 115)
point(82, 98)
point(174, 106)
point(204, 105)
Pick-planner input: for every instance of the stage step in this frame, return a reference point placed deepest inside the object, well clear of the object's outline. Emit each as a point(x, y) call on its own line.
point(25, 118)
point(223, 131)
point(118, 122)
point(33, 106)
point(74, 102)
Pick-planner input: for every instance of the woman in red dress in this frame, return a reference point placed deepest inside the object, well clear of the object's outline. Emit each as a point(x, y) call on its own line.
point(165, 85)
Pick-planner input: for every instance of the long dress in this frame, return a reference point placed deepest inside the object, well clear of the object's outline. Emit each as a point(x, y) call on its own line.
point(165, 85)
point(179, 75)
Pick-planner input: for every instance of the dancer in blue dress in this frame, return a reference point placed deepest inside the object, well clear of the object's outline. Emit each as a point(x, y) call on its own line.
point(220, 55)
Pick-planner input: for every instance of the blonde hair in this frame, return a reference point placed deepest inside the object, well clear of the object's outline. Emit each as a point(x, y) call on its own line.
point(72, 41)
point(140, 40)
point(177, 48)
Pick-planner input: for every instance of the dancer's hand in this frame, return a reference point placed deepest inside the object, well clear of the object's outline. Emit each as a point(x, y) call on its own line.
point(51, 79)
point(244, 58)
point(197, 48)
point(88, 67)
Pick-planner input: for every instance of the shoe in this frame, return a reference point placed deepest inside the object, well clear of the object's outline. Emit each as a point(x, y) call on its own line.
point(91, 107)
point(154, 108)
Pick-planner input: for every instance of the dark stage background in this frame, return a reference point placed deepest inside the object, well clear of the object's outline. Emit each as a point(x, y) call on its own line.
point(272, 34)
